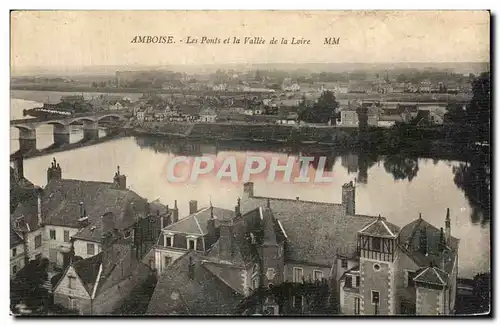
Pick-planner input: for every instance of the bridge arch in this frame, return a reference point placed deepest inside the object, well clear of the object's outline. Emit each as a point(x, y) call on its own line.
point(24, 128)
point(83, 119)
point(110, 115)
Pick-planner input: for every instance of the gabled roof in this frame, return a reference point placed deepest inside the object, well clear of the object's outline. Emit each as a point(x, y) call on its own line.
point(197, 223)
point(202, 294)
point(436, 253)
point(431, 275)
point(380, 228)
point(88, 270)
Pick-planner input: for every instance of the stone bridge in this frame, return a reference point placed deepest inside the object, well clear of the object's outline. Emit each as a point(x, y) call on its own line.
point(27, 127)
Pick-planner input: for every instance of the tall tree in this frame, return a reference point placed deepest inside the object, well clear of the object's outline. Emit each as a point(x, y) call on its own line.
point(322, 111)
point(479, 110)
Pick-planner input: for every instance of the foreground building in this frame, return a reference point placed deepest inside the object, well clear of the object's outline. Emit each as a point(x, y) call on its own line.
point(412, 270)
point(98, 285)
point(222, 255)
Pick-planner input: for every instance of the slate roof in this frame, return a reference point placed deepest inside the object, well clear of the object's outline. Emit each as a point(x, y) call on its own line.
point(93, 232)
point(432, 275)
point(196, 223)
point(87, 271)
point(410, 238)
point(314, 229)
point(380, 228)
point(204, 294)
point(61, 203)
point(243, 253)
point(29, 211)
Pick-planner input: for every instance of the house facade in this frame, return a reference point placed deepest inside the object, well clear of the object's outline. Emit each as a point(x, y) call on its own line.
point(17, 256)
point(98, 285)
point(66, 217)
point(410, 270)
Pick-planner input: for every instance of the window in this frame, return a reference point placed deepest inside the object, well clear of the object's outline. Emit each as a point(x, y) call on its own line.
point(298, 274)
point(53, 234)
point(191, 244)
point(73, 303)
point(14, 252)
point(375, 297)
point(168, 241)
point(376, 267)
point(344, 263)
point(19, 222)
point(38, 241)
point(66, 236)
point(280, 251)
point(14, 269)
point(348, 281)
point(297, 301)
point(411, 276)
point(71, 282)
point(317, 275)
point(357, 281)
point(90, 249)
point(357, 303)
point(128, 233)
point(376, 244)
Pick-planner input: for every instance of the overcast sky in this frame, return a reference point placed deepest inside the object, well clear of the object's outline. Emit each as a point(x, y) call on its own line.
point(88, 38)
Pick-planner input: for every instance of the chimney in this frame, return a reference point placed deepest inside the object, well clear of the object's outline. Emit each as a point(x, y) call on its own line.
point(54, 171)
point(442, 241)
point(19, 168)
point(226, 239)
point(248, 190)
point(191, 268)
point(107, 243)
point(193, 206)
point(349, 199)
point(39, 206)
point(447, 227)
point(162, 219)
point(175, 213)
point(211, 230)
point(83, 221)
point(119, 181)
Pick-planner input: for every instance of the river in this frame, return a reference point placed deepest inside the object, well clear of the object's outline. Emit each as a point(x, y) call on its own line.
point(429, 187)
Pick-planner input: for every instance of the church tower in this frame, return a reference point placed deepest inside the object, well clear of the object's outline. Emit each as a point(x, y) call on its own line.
point(377, 245)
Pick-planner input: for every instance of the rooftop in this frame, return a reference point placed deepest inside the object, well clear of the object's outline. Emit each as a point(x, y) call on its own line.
point(203, 293)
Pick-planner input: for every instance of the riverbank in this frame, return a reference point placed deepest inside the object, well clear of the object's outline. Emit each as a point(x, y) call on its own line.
point(319, 138)
point(135, 93)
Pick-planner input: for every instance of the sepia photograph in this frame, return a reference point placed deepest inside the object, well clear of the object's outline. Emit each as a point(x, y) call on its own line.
point(250, 163)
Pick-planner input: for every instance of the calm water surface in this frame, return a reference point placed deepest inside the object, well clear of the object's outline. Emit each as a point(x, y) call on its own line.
point(430, 192)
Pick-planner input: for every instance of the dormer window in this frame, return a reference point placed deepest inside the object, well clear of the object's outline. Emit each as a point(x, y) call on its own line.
point(19, 222)
point(168, 240)
point(191, 242)
point(127, 234)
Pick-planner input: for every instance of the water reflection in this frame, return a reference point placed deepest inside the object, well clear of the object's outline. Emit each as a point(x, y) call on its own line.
point(473, 178)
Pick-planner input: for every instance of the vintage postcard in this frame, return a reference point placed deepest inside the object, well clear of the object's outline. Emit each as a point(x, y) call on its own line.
point(305, 163)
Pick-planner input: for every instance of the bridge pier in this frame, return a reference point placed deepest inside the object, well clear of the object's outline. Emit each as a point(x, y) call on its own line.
point(61, 134)
point(27, 140)
point(90, 130)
